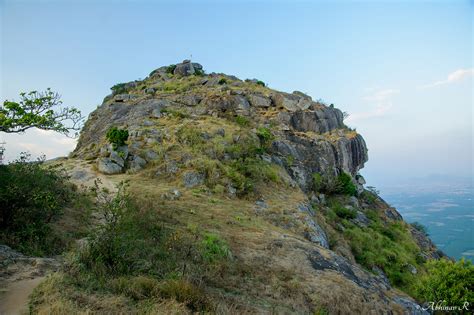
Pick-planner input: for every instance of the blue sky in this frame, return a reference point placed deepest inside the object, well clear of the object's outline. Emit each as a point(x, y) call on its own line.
point(402, 69)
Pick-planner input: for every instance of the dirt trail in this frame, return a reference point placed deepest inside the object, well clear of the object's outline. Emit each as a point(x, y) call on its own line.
point(15, 300)
point(19, 275)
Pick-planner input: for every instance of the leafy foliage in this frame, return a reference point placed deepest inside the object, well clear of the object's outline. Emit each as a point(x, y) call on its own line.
point(119, 88)
point(420, 227)
point(389, 247)
point(318, 182)
point(260, 83)
point(222, 81)
point(242, 121)
point(117, 137)
point(199, 72)
point(132, 241)
point(170, 69)
point(342, 184)
point(214, 248)
point(345, 185)
point(31, 198)
point(448, 281)
point(344, 213)
point(265, 135)
point(39, 110)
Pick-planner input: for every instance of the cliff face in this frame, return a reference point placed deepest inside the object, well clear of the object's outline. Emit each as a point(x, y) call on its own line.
point(230, 137)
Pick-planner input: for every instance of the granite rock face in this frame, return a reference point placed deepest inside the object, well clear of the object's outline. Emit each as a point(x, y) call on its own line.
point(309, 133)
point(319, 156)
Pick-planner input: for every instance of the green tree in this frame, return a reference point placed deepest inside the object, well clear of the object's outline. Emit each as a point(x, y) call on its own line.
point(448, 281)
point(41, 110)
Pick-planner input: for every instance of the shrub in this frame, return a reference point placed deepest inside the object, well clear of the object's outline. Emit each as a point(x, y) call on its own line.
point(199, 72)
point(170, 69)
point(265, 135)
point(185, 292)
point(345, 185)
point(222, 81)
point(189, 136)
point(369, 196)
point(214, 248)
point(447, 281)
point(390, 248)
point(342, 184)
point(420, 227)
point(137, 288)
point(242, 121)
point(317, 182)
point(260, 83)
point(344, 213)
point(246, 172)
point(130, 242)
point(32, 197)
point(117, 137)
point(120, 88)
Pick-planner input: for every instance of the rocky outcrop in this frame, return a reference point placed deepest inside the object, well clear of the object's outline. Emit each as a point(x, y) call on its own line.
point(309, 133)
point(187, 68)
point(311, 156)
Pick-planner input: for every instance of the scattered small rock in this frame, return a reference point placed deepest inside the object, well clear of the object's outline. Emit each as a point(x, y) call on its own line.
point(173, 194)
point(192, 179)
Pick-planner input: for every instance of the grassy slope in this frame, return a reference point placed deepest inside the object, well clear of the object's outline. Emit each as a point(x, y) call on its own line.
point(268, 270)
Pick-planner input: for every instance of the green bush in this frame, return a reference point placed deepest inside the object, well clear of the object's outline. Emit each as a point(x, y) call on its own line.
point(389, 247)
point(345, 185)
point(214, 248)
point(447, 281)
point(242, 121)
point(199, 72)
point(117, 137)
point(222, 81)
point(170, 69)
point(420, 227)
point(260, 83)
point(344, 213)
point(342, 184)
point(130, 242)
point(318, 183)
point(120, 88)
point(246, 172)
point(265, 135)
point(32, 197)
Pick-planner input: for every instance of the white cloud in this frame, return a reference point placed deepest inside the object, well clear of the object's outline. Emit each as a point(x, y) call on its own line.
point(455, 76)
point(380, 101)
point(37, 142)
point(381, 95)
point(378, 111)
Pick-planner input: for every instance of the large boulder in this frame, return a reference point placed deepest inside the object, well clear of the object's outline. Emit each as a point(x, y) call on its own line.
point(258, 100)
point(187, 68)
point(192, 179)
point(137, 163)
point(319, 120)
point(291, 102)
point(109, 167)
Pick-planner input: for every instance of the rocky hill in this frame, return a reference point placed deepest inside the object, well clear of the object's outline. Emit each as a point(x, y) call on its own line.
point(275, 175)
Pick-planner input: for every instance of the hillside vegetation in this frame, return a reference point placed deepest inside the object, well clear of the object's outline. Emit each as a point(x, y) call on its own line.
point(210, 194)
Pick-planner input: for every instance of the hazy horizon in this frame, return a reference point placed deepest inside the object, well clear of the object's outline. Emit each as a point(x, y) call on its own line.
point(404, 77)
